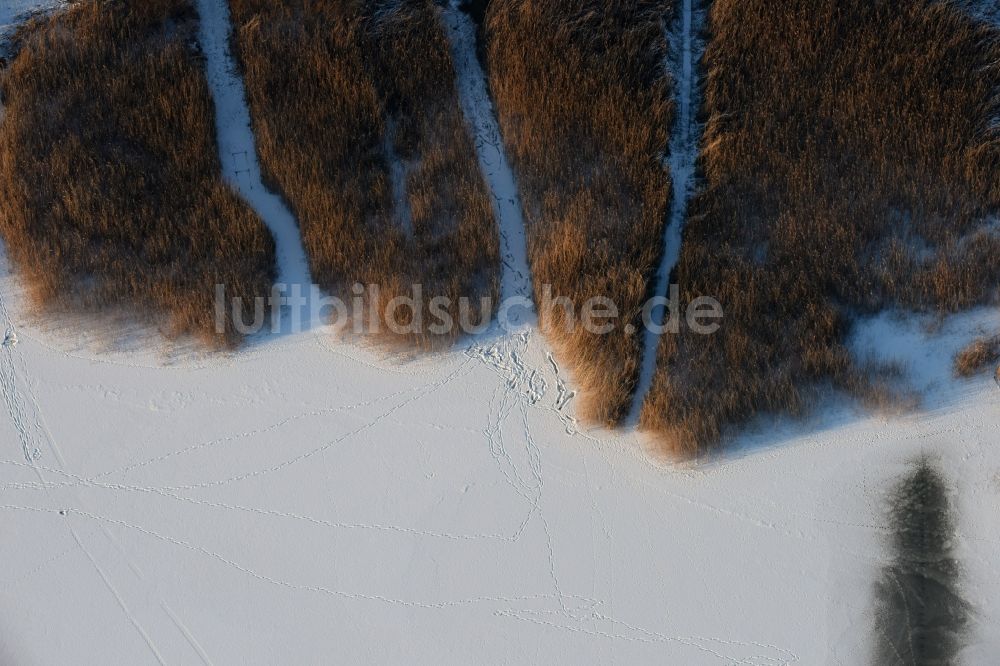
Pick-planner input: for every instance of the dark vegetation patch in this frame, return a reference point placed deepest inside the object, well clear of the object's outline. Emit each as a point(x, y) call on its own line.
point(109, 171)
point(476, 9)
point(981, 355)
point(848, 166)
point(584, 103)
point(336, 91)
point(921, 618)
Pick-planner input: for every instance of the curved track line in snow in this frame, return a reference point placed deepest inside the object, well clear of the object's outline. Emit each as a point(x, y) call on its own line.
point(238, 152)
point(120, 576)
point(474, 94)
point(523, 386)
point(685, 50)
point(583, 607)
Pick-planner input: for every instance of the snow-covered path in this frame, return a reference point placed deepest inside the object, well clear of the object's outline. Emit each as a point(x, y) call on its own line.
point(240, 166)
point(479, 113)
point(686, 47)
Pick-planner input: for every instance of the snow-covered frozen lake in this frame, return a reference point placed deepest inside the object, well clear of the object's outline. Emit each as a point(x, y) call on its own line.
point(306, 502)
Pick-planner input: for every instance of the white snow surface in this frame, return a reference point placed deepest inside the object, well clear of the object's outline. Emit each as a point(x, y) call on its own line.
point(307, 501)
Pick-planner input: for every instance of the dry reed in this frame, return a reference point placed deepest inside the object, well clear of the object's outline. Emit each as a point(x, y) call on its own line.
point(345, 97)
point(849, 165)
point(109, 171)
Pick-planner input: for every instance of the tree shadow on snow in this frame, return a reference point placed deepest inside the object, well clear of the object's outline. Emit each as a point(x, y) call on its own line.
point(920, 615)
